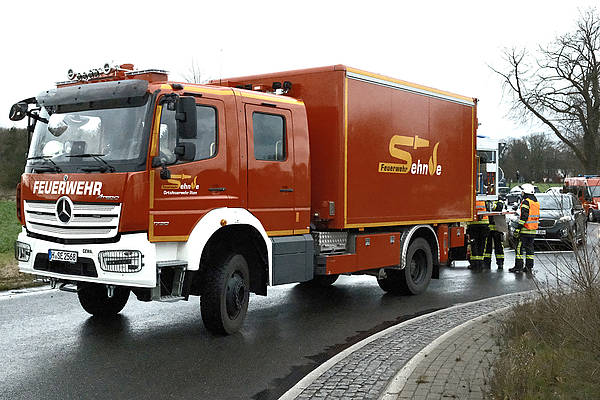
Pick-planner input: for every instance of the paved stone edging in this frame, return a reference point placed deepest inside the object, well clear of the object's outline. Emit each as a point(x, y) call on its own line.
point(462, 338)
point(363, 370)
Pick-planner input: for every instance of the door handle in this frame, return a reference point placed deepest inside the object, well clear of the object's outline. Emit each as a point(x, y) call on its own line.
point(286, 190)
point(216, 189)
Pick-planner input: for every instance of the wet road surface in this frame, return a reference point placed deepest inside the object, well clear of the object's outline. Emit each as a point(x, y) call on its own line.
point(52, 349)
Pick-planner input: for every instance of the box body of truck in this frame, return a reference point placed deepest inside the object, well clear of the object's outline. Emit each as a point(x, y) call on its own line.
point(383, 152)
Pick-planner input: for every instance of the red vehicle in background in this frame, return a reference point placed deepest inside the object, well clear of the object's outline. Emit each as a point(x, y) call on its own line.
point(137, 184)
point(587, 189)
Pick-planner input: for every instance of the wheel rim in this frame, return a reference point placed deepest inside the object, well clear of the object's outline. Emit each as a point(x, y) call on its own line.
point(418, 266)
point(235, 295)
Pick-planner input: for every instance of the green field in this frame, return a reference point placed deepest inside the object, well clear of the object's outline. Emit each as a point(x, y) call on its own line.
point(542, 186)
point(10, 225)
point(10, 277)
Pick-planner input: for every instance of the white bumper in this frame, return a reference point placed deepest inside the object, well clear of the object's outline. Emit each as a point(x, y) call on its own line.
point(146, 277)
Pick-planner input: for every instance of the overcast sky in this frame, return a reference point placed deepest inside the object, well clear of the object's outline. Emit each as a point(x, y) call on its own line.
point(444, 44)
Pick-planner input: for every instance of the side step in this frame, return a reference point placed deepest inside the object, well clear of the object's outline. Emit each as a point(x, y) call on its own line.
point(169, 281)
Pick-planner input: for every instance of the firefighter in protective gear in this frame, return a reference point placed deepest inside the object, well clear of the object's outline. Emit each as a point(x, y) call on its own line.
point(525, 232)
point(478, 232)
point(494, 239)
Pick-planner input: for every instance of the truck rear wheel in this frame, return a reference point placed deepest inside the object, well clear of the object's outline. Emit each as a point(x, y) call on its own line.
point(224, 300)
point(321, 280)
point(391, 282)
point(94, 299)
point(415, 277)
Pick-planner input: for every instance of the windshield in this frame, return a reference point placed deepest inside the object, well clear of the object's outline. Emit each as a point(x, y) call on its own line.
point(594, 191)
point(554, 202)
point(74, 139)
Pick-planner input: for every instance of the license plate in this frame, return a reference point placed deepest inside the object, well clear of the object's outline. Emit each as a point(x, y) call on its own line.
point(62, 255)
point(540, 232)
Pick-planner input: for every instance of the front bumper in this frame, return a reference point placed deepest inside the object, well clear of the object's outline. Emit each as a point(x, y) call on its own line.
point(558, 233)
point(87, 267)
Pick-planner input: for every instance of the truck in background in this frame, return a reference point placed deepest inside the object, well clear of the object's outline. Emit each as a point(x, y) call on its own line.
point(587, 189)
point(488, 169)
point(135, 183)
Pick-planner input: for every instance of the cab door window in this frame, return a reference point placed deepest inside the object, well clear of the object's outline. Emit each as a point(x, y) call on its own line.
point(206, 138)
point(269, 137)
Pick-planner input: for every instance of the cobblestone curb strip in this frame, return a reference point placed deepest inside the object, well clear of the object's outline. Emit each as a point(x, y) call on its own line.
point(455, 365)
point(364, 370)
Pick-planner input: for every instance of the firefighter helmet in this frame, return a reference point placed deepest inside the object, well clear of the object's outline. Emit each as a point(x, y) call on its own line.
point(527, 188)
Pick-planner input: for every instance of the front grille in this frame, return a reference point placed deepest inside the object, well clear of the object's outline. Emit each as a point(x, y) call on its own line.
point(83, 267)
point(89, 220)
point(546, 223)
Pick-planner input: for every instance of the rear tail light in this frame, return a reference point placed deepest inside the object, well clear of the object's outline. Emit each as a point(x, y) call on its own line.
point(18, 199)
point(120, 260)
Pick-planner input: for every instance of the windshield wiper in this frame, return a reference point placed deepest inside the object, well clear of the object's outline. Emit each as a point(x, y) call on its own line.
point(53, 168)
point(105, 166)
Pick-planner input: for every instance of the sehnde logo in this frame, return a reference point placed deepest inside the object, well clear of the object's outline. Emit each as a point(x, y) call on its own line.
point(81, 188)
point(398, 148)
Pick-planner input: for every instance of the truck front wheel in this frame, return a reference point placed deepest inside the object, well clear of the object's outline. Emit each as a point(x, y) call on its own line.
point(224, 300)
point(94, 299)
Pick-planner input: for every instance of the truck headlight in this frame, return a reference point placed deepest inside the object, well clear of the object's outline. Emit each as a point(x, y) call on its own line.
point(22, 251)
point(121, 260)
point(564, 219)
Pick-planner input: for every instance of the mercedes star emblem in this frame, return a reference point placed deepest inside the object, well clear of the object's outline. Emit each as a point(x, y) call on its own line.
point(64, 210)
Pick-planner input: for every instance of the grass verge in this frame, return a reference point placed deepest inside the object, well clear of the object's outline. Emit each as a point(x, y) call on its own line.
point(10, 277)
point(551, 347)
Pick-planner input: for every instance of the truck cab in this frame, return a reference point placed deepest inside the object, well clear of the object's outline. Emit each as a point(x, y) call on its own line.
point(127, 170)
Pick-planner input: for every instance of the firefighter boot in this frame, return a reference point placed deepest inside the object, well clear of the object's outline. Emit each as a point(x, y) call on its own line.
point(517, 269)
point(500, 265)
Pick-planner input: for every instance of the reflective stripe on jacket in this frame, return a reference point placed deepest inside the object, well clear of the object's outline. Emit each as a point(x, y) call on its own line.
point(480, 207)
point(530, 208)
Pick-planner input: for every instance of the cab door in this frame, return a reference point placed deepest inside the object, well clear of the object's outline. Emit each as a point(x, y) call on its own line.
point(271, 188)
point(194, 187)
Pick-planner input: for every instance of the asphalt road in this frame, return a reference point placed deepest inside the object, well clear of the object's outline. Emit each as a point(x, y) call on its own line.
point(51, 349)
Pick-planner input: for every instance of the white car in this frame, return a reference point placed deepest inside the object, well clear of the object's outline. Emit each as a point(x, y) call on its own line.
point(554, 189)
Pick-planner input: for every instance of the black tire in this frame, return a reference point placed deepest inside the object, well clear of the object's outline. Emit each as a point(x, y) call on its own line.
point(94, 299)
point(321, 281)
point(224, 300)
point(392, 281)
point(457, 254)
point(416, 275)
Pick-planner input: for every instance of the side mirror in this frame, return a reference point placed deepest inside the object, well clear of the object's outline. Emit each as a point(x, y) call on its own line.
point(185, 115)
point(18, 111)
point(185, 151)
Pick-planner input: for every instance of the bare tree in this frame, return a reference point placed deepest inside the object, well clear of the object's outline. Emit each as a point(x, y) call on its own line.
point(561, 88)
point(194, 74)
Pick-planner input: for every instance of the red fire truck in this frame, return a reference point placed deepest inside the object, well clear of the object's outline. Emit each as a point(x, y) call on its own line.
point(135, 183)
point(587, 189)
